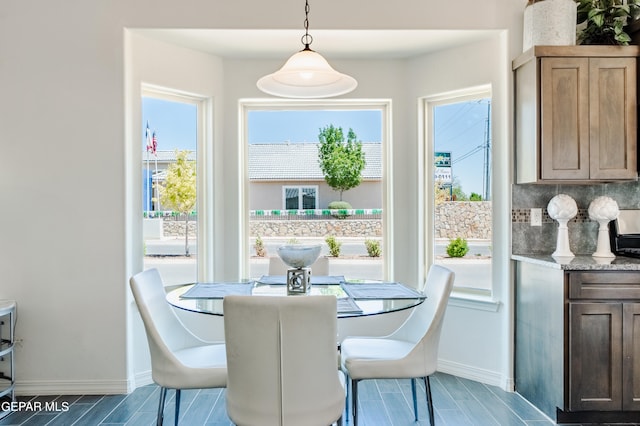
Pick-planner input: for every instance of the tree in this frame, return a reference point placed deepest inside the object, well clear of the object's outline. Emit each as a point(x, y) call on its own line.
point(341, 162)
point(178, 192)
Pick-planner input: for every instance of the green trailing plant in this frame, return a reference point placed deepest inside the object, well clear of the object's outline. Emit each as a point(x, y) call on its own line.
point(605, 21)
point(457, 247)
point(334, 246)
point(261, 250)
point(373, 247)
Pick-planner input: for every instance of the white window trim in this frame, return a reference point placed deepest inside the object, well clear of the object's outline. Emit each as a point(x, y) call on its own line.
point(204, 171)
point(384, 105)
point(468, 298)
point(299, 188)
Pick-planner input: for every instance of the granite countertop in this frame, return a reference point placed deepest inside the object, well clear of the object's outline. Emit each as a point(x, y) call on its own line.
point(581, 262)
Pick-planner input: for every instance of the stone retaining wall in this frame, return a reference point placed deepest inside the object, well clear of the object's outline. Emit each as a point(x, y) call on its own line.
point(465, 219)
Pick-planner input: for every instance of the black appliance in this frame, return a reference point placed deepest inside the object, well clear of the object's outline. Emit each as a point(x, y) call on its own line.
point(624, 233)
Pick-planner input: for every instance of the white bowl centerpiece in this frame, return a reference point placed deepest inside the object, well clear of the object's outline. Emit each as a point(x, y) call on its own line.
point(299, 255)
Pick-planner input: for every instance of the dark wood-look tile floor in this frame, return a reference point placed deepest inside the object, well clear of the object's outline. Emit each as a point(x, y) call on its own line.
point(457, 402)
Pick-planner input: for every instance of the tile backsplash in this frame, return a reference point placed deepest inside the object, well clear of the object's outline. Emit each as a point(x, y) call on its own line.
point(583, 232)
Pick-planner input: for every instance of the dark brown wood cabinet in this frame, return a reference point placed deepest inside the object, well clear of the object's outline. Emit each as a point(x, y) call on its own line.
point(576, 113)
point(578, 343)
point(604, 341)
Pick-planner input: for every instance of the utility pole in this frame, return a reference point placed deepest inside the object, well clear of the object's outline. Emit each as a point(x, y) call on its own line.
point(487, 156)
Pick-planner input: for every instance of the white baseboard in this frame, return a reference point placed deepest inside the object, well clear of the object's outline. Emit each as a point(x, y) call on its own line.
point(83, 387)
point(476, 374)
point(72, 387)
point(142, 379)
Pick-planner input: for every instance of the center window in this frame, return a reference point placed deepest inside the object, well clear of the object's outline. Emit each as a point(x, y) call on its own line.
point(300, 197)
point(316, 176)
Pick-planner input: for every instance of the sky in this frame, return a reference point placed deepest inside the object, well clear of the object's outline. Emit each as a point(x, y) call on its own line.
point(459, 128)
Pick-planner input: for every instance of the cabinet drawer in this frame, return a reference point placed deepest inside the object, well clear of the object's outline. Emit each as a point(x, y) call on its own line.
point(604, 285)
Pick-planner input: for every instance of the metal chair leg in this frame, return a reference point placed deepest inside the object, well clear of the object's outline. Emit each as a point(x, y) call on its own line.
point(427, 387)
point(177, 406)
point(415, 398)
point(354, 401)
point(163, 394)
point(347, 408)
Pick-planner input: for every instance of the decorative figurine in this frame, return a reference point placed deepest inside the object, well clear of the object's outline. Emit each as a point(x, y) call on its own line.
point(603, 210)
point(562, 208)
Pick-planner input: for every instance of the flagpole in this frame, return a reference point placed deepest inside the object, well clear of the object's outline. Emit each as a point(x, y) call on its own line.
point(154, 145)
point(147, 201)
point(156, 185)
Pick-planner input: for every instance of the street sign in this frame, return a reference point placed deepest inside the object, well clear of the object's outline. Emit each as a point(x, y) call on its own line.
point(442, 167)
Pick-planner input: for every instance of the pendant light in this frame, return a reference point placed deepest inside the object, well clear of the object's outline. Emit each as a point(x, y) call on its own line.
point(307, 74)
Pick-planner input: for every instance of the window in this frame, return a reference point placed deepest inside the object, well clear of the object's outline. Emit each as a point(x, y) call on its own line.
point(299, 198)
point(281, 150)
point(458, 187)
point(169, 233)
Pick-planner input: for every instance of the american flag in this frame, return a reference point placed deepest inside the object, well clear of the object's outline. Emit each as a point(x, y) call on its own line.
point(152, 142)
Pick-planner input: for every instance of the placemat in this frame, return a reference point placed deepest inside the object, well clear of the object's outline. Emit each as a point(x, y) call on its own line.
point(347, 305)
point(315, 279)
point(380, 291)
point(217, 290)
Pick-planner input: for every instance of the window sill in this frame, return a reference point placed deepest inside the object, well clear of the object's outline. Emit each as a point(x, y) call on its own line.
point(473, 300)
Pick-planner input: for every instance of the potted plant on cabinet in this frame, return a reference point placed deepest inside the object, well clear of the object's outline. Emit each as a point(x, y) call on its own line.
point(549, 22)
point(606, 21)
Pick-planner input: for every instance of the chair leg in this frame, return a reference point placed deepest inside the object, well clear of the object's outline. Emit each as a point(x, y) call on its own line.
point(177, 406)
point(427, 387)
point(163, 395)
point(347, 408)
point(354, 401)
point(415, 398)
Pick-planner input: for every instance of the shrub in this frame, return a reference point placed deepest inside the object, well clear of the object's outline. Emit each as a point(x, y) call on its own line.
point(293, 240)
point(342, 207)
point(457, 247)
point(334, 246)
point(339, 205)
point(261, 251)
point(373, 247)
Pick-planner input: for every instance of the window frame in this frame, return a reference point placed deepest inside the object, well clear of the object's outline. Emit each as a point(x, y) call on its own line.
point(383, 105)
point(204, 171)
point(300, 189)
point(428, 147)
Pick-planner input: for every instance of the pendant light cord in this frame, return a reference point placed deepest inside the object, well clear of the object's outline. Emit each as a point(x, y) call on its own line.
point(306, 38)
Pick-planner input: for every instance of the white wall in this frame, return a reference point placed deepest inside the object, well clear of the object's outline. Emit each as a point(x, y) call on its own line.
point(66, 110)
point(476, 343)
point(164, 69)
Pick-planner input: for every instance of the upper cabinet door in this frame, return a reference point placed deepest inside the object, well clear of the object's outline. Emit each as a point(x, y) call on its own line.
point(576, 114)
point(613, 118)
point(565, 118)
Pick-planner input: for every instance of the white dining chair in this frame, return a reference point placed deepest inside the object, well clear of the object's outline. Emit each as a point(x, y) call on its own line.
point(179, 359)
point(410, 352)
point(281, 361)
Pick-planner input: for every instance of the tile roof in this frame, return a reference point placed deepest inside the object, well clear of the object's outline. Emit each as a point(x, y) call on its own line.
point(289, 161)
point(299, 161)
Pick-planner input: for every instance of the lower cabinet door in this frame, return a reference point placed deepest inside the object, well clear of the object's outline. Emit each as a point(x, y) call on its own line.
point(595, 352)
point(631, 357)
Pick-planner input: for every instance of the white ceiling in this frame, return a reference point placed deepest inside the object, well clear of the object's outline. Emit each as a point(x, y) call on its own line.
point(348, 44)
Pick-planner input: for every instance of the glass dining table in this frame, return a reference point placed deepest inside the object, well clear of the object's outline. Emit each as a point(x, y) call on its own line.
point(355, 298)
